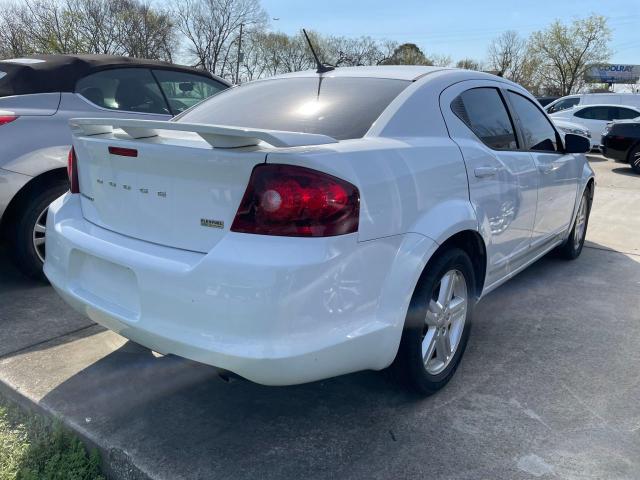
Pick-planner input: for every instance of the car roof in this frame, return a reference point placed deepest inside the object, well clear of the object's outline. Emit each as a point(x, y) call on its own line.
point(59, 73)
point(589, 105)
point(394, 72)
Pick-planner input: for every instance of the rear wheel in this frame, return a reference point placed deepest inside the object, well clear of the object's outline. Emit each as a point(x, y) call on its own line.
point(438, 323)
point(28, 231)
point(634, 158)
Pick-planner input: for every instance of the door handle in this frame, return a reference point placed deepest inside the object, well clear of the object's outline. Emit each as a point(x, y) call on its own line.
point(483, 172)
point(550, 167)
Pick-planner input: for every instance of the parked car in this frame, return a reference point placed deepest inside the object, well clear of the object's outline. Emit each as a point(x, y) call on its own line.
point(546, 100)
point(311, 225)
point(571, 127)
point(596, 117)
point(38, 96)
point(570, 101)
point(621, 142)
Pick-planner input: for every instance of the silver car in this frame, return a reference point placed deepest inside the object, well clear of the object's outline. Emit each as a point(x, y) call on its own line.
point(38, 96)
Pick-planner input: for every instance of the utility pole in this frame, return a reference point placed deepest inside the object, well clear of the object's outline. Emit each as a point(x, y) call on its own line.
point(239, 56)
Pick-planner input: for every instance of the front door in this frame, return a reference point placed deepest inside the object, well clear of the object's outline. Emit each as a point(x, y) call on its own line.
point(557, 171)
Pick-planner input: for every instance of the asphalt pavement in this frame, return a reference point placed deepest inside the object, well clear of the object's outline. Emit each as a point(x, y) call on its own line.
point(548, 387)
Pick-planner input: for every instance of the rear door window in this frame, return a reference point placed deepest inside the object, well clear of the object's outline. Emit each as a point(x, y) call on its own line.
point(340, 107)
point(625, 113)
point(183, 90)
point(484, 112)
point(538, 133)
point(126, 89)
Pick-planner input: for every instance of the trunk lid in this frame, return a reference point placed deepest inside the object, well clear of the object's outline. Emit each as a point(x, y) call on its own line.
point(180, 190)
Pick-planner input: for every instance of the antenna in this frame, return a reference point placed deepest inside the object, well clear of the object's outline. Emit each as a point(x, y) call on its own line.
point(322, 68)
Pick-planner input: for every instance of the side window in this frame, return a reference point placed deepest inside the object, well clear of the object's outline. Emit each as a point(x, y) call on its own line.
point(564, 104)
point(484, 112)
point(538, 132)
point(127, 89)
point(625, 113)
point(594, 113)
point(183, 90)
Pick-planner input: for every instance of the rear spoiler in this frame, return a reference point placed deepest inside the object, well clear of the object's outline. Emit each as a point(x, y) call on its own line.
point(218, 136)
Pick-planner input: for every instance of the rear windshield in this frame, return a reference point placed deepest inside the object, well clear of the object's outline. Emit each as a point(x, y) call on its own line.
point(342, 107)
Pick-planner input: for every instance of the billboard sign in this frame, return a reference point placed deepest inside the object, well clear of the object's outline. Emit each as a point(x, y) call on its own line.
point(612, 73)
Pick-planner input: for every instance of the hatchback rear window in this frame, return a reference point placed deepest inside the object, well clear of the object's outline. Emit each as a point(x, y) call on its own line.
point(341, 108)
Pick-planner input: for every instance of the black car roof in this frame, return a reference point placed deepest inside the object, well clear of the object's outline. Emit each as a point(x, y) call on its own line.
point(59, 73)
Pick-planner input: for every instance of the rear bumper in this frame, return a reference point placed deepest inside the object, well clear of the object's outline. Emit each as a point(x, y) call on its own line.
point(274, 310)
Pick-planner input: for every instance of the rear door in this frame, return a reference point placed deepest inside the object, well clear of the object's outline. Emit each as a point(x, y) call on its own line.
point(595, 119)
point(557, 172)
point(502, 178)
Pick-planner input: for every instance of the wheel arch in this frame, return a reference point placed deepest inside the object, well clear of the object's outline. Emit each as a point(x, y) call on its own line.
point(35, 184)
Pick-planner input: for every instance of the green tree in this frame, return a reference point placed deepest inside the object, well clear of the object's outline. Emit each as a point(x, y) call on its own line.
point(564, 52)
point(407, 54)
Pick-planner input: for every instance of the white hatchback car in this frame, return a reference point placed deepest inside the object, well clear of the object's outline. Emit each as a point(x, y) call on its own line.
point(312, 225)
point(595, 118)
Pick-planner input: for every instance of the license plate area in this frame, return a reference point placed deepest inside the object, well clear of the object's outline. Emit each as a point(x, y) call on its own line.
point(105, 285)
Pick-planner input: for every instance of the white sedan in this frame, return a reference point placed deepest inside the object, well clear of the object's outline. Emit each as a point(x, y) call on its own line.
point(596, 117)
point(312, 225)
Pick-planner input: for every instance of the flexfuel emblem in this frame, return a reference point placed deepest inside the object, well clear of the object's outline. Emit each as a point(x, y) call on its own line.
point(207, 222)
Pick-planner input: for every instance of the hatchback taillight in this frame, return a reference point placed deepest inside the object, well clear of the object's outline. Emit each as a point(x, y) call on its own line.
point(72, 172)
point(4, 119)
point(294, 201)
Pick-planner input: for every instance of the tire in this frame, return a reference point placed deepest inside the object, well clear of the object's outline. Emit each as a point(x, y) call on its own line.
point(634, 159)
point(23, 236)
point(422, 325)
point(572, 247)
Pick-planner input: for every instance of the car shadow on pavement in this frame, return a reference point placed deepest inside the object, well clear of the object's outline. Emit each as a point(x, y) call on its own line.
point(533, 380)
point(625, 171)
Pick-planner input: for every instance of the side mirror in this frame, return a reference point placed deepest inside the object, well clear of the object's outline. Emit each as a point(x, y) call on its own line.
point(576, 143)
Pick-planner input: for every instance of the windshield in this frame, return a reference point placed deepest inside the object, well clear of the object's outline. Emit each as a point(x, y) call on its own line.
point(341, 108)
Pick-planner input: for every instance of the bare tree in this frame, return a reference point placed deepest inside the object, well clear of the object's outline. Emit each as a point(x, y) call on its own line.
point(99, 23)
point(564, 52)
point(145, 32)
point(211, 26)
point(14, 40)
point(508, 54)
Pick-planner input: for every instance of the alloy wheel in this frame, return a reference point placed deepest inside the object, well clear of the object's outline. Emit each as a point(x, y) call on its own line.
point(444, 322)
point(39, 233)
point(581, 223)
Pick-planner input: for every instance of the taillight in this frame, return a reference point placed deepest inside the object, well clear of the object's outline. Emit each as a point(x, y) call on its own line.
point(4, 119)
point(296, 201)
point(72, 172)
point(123, 152)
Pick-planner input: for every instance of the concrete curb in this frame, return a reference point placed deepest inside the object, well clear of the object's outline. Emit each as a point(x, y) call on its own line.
point(116, 463)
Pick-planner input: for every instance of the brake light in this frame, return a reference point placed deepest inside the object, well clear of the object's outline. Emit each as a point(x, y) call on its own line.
point(72, 172)
point(4, 119)
point(123, 152)
point(294, 201)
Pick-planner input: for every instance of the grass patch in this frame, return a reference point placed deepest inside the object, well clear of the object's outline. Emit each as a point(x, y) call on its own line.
point(35, 448)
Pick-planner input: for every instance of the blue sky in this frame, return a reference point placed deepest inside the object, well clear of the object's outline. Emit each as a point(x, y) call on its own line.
point(460, 28)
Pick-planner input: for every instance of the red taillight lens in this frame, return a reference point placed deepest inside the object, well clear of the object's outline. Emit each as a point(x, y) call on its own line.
point(4, 119)
point(72, 172)
point(123, 152)
point(296, 201)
